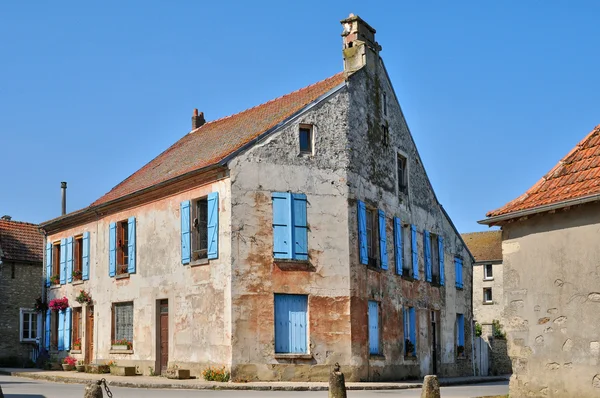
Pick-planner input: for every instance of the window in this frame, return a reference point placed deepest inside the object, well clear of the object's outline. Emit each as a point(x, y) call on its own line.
point(436, 251)
point(487, 295)
point(407, 269)
point(384, 104)
point(122, 247)
point(487, 271)
point(386, 135)
point(373, 327)
point(29, 325)
point(291, 323)
point(200, 229)
point(76, 329)
point(458, 265)
point(372, 236)
point(77, 258)
point(402, 175)
point(460, 335)
point(55, 277)
point(306, 140)
point(290, 227)
point(123, 322)
point(410, 332)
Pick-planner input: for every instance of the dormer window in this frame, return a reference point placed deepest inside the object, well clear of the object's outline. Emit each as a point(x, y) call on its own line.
point(305, 136)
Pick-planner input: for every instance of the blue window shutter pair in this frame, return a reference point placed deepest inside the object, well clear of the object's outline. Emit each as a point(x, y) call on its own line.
point(48, 263)
point(61, 330)
point(373, 327)
point(131, 245)
point(290, 323)
point(398, 245)
point(85, 257)
point(290, 226)
point(458, 271)
point(427, 246)
point(383, 240)
point(112, 249)
point(415, 256)
point(47, 330)
point(186, 250)
point(362, 232)
point(413, 328)
point(212, 204)
point(441, 257)
point(70, 259)
point(63, 261)
point(67, 336)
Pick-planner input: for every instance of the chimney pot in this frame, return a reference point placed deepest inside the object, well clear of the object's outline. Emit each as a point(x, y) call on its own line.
point(7, 217)
point(197, 119)
point(63, 189)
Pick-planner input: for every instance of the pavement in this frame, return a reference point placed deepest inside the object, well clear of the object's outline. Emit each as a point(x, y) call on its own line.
point(156, 382)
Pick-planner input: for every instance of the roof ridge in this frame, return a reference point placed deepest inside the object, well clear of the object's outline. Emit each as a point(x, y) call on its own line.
point(20, 222)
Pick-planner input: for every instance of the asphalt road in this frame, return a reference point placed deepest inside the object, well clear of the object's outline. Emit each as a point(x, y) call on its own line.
point(14, 387)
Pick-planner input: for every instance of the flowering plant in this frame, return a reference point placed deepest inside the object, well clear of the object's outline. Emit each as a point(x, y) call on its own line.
point(83, 297)
point(70, 361)
point(126, 342)
point(77, 344)
point(59, 304)
point(76, 275)
point(55, 279)
point(111, 363)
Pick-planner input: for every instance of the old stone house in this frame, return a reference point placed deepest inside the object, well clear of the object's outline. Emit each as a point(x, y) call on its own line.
point(21, 247)
point(274, 242)
point(551, 278)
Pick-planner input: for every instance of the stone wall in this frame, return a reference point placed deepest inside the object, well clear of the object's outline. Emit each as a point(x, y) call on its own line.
point(500, 363)
point(16, 293)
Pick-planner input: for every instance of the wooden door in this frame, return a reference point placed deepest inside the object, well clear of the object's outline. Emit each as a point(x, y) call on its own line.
point(89, 334)
point(164, 335)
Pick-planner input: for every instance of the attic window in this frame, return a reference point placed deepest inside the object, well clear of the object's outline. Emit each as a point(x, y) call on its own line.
point(384, 104)
point(305, 135)
point(386, 135)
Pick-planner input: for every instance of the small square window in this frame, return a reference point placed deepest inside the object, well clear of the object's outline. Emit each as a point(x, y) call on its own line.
point(122, 325)
point(488, 272)
point(487, 295)
point(29, 325)
point(402, 176)
point(306, 140)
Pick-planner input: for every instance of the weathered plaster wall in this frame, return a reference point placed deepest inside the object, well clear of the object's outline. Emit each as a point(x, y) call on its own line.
point(372, 178)
point(485, 313)
point(552, 299)
point(275, 165)
point(15, 294)
point(199, 297)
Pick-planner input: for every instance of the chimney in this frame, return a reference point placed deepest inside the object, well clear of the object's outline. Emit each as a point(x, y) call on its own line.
point(197, 119)
point(360, 47)
point(63, 189)
point(7, 218)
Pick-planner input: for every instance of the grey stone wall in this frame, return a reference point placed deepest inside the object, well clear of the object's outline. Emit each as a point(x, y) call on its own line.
point(500, 363)
point(15, 294)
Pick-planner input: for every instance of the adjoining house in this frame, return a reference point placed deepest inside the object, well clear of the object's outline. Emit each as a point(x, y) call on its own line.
point(274, 242)
point(21, 248)
point(551, 281)
point(488, 297)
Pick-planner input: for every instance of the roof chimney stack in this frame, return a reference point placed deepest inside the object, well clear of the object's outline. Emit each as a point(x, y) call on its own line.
point(7, 218)
point(197, 119)
point(360, 47)
point(63, 189)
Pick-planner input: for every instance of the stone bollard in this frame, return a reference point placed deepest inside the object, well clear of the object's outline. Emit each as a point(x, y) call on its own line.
point(1, 393)
point(431, 387)
point(337, 384)
point(93, 390)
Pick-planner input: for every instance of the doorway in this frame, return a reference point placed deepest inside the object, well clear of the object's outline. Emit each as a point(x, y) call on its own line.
point(89, 334)
point(163, 337)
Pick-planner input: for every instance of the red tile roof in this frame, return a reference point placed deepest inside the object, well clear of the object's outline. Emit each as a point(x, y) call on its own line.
point(214, 141)
point(577, 175)
point(485, 246)
point(21, 241)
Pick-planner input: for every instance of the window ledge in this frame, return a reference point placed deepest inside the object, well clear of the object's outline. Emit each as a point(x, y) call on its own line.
point(409, 278)
point(377, 357)
point(28, 341)
point(202, 261)
point(459, 288)
point(77, 282)
point(285, 264)
point(410, 358)
point(488, 279)
point(128, 352)
point(293, 356)
point(122, 276)
point(488, 303)
point(75, 351)
point(52, 287)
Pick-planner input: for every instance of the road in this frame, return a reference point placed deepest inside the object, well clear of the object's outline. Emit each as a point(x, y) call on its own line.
point(15, 387)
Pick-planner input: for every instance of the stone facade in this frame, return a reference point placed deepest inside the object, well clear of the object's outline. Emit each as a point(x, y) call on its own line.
point(222, 313)
point(484, 311)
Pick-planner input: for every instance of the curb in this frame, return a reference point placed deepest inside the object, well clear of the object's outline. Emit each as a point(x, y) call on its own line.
point(241, 386)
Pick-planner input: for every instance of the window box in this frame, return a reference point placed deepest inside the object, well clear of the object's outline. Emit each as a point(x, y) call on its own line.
point(293, 265)
point(202, 261)
point(119, 347)
point(126, 352)
point(124, 275)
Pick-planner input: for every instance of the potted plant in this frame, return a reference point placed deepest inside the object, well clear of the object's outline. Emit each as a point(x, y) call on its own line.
point(55, 279)
point(77, 344)
point(76, 275)
point(122, 344)
point(59, 304)
point(80, 366)
point(39, 305)
point(460, 350)
point(69, 363)
point(83, 297)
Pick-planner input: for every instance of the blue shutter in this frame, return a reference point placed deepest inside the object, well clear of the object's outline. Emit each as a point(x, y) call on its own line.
point(413, 328)
point(398, 245)
point(415, 257)
point(112, 249)
point(47, 330)
point(282, 226)
point(441, 256)
point(70, 259)
point(131, 245)
point(213, 225)
point(300, 247)
point(61, 330)
point(460, 332)
point(67, 336)
point(48, 263)
point(458, 272)
point(427, 246)
point(373, 327)
point(185, 232)
point(362, 232)
point(290, 323)
point(63, 261)
point(383, 240)
point(85, 257)
point(406, 327)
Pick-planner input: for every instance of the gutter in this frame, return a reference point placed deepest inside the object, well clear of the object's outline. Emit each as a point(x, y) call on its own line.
point(540, 209)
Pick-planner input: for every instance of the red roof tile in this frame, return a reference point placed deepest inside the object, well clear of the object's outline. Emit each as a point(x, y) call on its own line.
point(577, 175)
point(21, 241)
point(485, 246)
point(214, 141)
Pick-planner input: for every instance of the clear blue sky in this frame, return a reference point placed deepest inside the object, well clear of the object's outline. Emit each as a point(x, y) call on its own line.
point(495, 93)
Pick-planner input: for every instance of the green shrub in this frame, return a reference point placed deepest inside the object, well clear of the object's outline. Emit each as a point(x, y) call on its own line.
point(215, 374)
point(478, 330)
point(497, 330)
